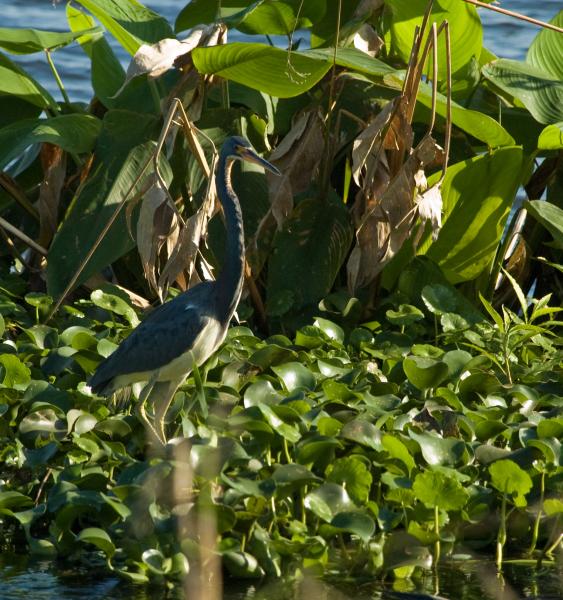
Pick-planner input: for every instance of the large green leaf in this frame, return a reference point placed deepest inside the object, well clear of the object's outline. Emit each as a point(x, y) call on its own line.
point(438, 489)
point(107, 73)
point(209, 11)
point(14, 80)
point(551, 138)
point(477, 195)
point(466, 32)
point(309, 251)
point(73, 133)
point(28, 41)
point(120, 155)
point(539, 91)
point(262, 67)
point(473, 122)
point(353, 59)
point(546, 51)
point(131, 23)
point(325, 30)
point(281, 17)
point(550, 216)
point(13, 109)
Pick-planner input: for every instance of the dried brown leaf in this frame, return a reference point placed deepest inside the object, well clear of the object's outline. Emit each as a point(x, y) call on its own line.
point(53, 161)
point(387, 223)
point(367, 40)
point(429, 205)
point(297, 157)
point(180, 264)
point(155, 59)
point(157, 225)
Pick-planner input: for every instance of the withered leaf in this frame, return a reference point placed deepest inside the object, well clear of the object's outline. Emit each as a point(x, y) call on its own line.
point(367, 40)
point(297, 156)
point(155, 59)
point(388, 220)
point(53, 161)
point(180, 264)
point(157, 225)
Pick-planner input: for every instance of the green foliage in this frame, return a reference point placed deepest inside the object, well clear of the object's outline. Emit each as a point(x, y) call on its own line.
point(302, 454)
point(384, 412)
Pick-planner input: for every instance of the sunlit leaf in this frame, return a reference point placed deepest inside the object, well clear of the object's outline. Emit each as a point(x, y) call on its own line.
point(28, 41)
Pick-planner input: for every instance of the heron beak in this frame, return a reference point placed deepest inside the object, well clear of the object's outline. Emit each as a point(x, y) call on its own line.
point(251, 156)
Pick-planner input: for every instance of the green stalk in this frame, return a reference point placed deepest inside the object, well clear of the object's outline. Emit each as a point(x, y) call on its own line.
point(225, 97)
point(200, 392)
point(437, 532)
point(556, 543)
point(155, 95)
point(501, 539)
point(536, 530)
point(286, 451)
point(57, 77)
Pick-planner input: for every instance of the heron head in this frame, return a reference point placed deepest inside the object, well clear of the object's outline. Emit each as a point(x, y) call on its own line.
point(240, 149)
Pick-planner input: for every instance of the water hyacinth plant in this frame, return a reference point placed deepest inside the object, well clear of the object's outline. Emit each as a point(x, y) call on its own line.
point(392, 394)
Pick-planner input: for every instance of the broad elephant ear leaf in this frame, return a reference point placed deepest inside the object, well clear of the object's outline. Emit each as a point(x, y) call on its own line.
point(120, 157)
point(107, 73)
point(466, 31)
point(262, 67)
point(540, 91)
point(73, 133)
point(550, 216)
point(477, 195)
point(308, 253)
point(546, 50)
point(130, 23)
point(17, 82)
point(28, 41)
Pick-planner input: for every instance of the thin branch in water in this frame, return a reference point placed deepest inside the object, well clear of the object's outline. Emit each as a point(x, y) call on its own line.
point(515, 15)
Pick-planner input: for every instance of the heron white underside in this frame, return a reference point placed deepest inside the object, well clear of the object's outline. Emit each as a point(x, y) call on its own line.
point(209, 339)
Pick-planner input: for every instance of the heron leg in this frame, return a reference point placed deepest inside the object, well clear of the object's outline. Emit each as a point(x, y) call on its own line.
point(142, 412)
point(161, 406)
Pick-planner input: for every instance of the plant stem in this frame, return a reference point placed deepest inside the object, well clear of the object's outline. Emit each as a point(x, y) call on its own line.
point(535, 531)
point(437, 532)
point(57, 77)
point(501, 539)
point(155, 95)
point(286, 451)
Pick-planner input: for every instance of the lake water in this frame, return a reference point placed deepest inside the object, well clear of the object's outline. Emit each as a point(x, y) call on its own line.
point(22, 578)
point(32, 579)
point(505, 36)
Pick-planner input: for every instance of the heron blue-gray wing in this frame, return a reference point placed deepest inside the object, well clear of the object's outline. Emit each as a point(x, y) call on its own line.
point(168, 332)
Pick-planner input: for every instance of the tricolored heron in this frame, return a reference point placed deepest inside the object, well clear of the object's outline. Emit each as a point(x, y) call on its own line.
point(186, 331)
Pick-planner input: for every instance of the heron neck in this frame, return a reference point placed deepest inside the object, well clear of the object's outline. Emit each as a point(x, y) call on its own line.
point(230, 279)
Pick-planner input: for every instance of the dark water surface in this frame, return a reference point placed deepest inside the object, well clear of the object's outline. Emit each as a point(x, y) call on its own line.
point(34, 579)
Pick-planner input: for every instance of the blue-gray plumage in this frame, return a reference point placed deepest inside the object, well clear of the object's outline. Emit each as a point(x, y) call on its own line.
point(163, 349)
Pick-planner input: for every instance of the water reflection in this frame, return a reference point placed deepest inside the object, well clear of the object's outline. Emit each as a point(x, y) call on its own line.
point(36, 579)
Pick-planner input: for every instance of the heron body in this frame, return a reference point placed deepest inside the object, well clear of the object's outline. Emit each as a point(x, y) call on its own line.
point(186, 331)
